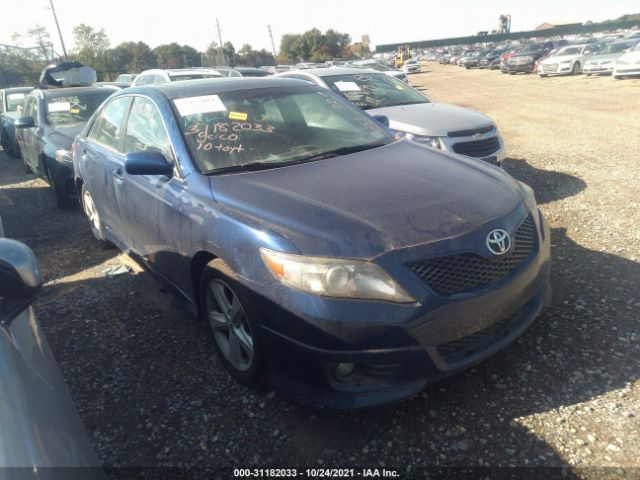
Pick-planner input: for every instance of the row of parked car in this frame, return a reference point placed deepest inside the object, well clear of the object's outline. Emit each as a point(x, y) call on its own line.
point(334, 216)
point(618, 57)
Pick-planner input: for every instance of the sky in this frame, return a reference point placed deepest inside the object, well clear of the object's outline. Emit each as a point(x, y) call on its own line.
point(193, 22)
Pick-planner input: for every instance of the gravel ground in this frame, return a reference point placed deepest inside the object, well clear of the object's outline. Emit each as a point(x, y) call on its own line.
point(151, 392)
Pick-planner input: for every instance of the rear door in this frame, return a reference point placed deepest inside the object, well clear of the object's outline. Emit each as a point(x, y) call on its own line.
point(101, 162)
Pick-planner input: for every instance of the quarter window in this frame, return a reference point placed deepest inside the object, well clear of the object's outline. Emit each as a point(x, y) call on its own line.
point(106, 129)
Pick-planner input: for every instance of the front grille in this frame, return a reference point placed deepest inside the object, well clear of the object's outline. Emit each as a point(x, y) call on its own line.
point(550, 67)
point(471, 131)
point(465, 271)
point(478, 148)
point(465, 347)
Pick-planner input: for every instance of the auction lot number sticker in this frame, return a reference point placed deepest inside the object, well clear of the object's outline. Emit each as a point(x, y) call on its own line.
point(315, 473)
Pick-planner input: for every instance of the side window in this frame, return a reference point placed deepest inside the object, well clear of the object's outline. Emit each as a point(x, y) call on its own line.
point(159, 79)
point(31, 109)
point(146, 130)
point(106, 128)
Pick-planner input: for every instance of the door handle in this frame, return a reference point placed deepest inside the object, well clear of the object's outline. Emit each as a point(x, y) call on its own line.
point(117, 175)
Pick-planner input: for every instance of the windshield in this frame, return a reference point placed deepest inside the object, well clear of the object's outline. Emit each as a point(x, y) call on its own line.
point(15, 101)
point(192, 76)
point(67, 109)
point(615, 48)
point(374, 90)
point(534, 47)
point(125, 78)
point(267, 128)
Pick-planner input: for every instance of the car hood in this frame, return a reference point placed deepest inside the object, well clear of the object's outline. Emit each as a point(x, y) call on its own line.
point(600, 58)
point(560, 58)
point(62, 136)
point(433, 119)
point(629, 57)
point(364, 204)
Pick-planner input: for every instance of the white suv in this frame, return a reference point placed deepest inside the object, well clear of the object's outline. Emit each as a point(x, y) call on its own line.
point(568, 61)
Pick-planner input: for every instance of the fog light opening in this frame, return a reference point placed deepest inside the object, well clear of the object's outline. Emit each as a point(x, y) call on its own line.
point(343, 370)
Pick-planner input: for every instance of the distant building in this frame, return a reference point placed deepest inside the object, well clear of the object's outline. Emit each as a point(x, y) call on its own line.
point(504, 24)
point(548, 26)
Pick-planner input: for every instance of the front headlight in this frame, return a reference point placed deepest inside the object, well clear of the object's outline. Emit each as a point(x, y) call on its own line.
point(425, 140)
point(334, 277)
point(565, 62)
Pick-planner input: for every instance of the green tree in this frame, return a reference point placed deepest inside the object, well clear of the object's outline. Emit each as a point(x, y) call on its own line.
point(314, 46)
point(169, 55)
point(133, 57)
point(92, 48)
point(249, 57)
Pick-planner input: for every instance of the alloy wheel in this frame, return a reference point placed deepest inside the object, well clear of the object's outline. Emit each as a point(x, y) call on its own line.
point(92, 214)
point(231, 329)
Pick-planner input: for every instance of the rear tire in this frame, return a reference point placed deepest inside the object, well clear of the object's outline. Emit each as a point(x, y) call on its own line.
point(227, 306)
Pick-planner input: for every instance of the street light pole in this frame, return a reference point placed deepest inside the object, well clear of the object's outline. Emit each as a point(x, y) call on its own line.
point(55, 17)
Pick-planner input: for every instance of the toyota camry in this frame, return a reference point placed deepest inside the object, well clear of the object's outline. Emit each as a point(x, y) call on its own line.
point(330, 259)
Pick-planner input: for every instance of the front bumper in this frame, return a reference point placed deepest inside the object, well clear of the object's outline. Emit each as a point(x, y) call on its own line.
point(597, 69)
point(397, 350)
point(555, 69)
point(626, 70)
point(511, 67)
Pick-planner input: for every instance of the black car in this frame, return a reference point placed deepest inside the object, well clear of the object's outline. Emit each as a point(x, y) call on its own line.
point(492, 59)
point(11, 102)
point(525, 60)
point(50, 121)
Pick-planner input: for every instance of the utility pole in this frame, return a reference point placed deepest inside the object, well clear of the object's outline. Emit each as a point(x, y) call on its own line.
point(55, 17)
point(220, 37)
point(273, 45)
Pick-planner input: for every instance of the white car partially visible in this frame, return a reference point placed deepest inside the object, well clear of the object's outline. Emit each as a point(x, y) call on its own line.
point(568, 61)
point(627, 64)
point(411, 66)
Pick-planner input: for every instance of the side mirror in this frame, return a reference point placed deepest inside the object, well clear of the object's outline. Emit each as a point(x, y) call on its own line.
point(20, 277)
point(24, 122)
point(383, 119)
point(147, 163)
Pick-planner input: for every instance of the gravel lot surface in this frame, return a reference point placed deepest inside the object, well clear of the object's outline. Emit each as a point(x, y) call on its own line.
point(151, 392)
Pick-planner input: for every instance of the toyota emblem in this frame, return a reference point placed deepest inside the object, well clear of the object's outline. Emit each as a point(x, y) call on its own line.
point(498, 241)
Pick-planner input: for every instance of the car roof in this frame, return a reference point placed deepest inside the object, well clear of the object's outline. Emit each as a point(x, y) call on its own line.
point(328, 72)
point(178, 71)
point(73, 90)
point(17, 89)
point(213, 86)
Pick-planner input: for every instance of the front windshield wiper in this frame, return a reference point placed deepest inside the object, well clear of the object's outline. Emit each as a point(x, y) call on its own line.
point(340, 151)
point(255, 166)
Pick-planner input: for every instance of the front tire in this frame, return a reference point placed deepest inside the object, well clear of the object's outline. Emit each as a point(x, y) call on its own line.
point(228, 307)
point(576, 69)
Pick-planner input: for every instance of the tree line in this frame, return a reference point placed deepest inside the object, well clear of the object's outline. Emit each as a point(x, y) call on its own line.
point(22, 66)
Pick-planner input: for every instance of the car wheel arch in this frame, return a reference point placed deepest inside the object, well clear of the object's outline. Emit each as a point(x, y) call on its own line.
point(198, 263)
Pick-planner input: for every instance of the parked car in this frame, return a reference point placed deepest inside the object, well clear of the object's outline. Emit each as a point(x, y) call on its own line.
point(524, 61)
point(321, 250)
point(491, 59)
point(473, 60)
point(439, 125)
point(39, 424)
point(227, 71)
point(506, 56)
point(125, 78)
point(605, 59)
point(50, 120)
point(154, 76)
point(567, 61)
point(380, 67)
point(627, 64)
point(411, 66)
point(253, 72)
point(11, 102)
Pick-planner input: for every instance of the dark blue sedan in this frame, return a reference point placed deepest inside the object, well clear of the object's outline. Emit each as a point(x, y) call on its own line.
point(341, 265)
